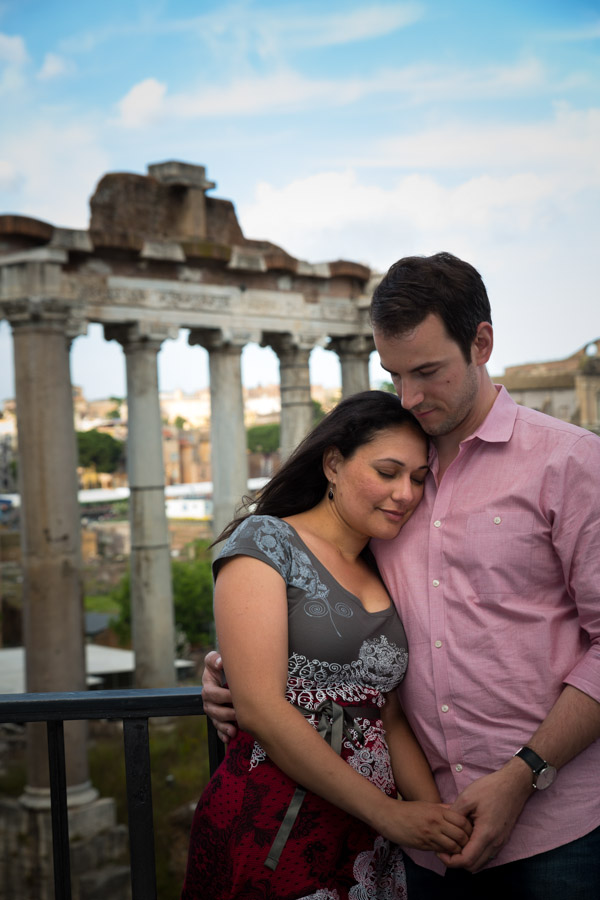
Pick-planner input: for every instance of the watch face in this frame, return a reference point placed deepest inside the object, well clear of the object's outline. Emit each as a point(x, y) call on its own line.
point(545, 778)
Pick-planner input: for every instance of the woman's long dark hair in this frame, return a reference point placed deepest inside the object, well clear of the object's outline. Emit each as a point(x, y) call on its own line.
point(300, 483)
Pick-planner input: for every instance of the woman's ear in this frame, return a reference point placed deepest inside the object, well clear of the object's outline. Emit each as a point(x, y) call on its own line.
point(331, 460)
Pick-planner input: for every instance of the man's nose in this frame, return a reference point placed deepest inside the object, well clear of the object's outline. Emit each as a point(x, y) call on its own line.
point(410, 396)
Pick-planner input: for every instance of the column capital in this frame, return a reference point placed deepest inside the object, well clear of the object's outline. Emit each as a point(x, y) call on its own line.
point(223, 339)
point(140, 335)
point(44, 313)
point(32, 274)
point(356, 346)
point(287, 342)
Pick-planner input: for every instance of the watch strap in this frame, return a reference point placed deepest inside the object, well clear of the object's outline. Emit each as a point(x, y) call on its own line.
point(535, 762)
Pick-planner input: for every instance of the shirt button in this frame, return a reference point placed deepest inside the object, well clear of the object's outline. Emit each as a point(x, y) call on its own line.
point(497, 520)
point(438, 643)
point(437, 523)
point(435, 582)
point(445, 707)
point(458, 768)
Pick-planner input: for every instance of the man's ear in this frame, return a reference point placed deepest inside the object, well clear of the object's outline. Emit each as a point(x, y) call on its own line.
point(483, 344)
point(331, 460)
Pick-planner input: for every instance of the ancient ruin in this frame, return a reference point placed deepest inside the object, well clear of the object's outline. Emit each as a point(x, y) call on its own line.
point(159, 255)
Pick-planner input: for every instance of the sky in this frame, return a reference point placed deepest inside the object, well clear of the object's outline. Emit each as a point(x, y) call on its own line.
point(348, 129)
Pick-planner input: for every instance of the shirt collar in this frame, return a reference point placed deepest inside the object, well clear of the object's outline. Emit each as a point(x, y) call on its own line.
point(498, 425)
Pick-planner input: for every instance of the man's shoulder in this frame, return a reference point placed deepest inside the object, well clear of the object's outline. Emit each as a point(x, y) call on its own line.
point(534, 419)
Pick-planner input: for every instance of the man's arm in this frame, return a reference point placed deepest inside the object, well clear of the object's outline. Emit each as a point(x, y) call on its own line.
point(494, 802)
point(217, 699)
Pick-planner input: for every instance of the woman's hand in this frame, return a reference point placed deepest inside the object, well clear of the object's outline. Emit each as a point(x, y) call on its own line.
point(426, 826)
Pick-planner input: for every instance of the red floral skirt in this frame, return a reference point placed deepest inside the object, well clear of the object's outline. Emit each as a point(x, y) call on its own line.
point(329, 855)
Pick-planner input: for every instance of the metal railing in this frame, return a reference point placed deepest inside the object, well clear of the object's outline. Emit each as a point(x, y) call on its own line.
point(134, 708)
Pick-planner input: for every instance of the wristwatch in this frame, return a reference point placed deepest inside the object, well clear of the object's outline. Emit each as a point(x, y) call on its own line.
point(543, 773)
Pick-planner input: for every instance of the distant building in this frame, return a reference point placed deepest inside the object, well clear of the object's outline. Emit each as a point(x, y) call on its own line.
point(568, 389)
point(8, 451)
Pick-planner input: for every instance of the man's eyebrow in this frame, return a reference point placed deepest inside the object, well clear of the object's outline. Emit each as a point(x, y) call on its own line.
point(424, 365)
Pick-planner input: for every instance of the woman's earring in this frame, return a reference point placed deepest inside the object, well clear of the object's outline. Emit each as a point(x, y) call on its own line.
point(330, 494)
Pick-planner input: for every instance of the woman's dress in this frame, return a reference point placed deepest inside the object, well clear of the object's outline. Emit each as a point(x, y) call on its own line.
point(340, 655)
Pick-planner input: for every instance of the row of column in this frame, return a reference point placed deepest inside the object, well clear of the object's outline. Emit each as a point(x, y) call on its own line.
point(50, 522)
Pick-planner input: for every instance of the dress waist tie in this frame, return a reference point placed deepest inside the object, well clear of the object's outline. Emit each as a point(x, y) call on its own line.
point(334, 721)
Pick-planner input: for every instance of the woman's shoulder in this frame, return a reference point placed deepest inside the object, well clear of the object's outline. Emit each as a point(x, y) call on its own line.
point(254, 526)
point(266, 537)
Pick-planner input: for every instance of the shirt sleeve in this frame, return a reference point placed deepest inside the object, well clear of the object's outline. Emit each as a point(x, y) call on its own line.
point(260, 537)
point(576, 538)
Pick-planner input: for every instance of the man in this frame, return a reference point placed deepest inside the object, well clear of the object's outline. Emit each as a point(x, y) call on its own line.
point(495, 576)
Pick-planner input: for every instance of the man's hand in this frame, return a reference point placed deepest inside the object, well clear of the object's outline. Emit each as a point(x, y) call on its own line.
point(493, 803)
point(217, 699)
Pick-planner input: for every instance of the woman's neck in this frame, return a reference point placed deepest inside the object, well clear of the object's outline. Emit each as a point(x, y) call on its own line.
point(323, 524)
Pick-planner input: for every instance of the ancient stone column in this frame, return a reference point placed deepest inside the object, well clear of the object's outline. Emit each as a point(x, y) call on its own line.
point(354, 353)
point(50, 528)
point(153, 627)
point(229, 458)
point(294, 381)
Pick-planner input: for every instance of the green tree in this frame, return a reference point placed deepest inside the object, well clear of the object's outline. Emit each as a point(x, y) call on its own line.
point(386, 386)
point(179, 422)
point(192, 599)
point(95, 448)
point(318, 412)
point(263, 438)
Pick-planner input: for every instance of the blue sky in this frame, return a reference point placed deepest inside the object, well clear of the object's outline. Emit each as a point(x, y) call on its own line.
point(352, 129)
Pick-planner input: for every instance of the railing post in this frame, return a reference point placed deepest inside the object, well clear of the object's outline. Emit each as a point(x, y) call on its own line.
point(60, 817)
point(139, 804)
point(216, 747)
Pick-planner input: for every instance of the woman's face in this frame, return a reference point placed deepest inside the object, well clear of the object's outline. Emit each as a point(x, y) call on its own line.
point(379, 486)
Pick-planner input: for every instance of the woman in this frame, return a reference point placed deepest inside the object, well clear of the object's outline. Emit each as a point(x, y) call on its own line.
point(305, 803)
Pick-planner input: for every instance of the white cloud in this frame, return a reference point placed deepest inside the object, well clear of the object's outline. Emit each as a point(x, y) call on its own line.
point(13, 59)
point(327, 29)
point(287, 91)
point(589, 32)
point(242, 29)
point(567, 144)
point(142, 104)
point(9, 176)
point(335, 210)
point(52, 67)
point(55, 168)
point(12, 50)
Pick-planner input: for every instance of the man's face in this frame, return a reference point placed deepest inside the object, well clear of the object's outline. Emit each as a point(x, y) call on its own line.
point(431, 376)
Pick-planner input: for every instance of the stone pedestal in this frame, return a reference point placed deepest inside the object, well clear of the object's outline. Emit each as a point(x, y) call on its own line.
point(151, 591)
point(229, 459)
point(99, 854)
point(294, 378)
point(354, 353)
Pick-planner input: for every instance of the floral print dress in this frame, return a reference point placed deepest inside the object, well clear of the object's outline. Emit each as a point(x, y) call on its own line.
point(245, 841)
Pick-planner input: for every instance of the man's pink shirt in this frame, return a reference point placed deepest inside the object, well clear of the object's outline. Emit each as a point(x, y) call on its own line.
point(496, 578)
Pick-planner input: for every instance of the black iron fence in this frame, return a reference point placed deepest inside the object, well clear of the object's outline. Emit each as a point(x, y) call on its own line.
point(134, 708)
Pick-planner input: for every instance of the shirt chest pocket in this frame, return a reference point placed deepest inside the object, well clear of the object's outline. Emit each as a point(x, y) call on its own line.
point(498, 550)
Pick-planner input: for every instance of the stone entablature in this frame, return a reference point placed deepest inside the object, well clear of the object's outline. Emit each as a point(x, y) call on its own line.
point(158, 245)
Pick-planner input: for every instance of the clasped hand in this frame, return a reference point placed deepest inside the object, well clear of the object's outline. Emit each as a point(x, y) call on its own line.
point(493, 804)
point(428, 826)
